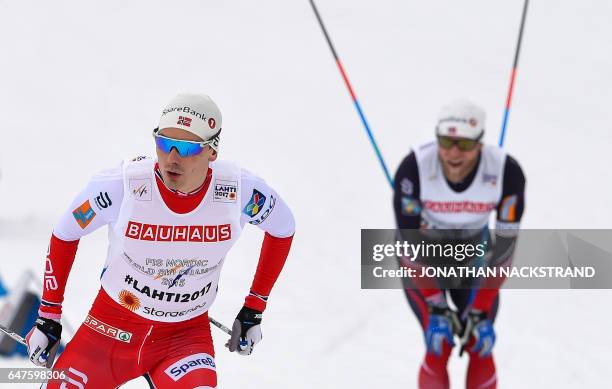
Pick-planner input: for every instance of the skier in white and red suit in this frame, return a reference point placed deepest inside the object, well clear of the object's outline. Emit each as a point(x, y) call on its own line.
point(446, 191)
point(172, 221)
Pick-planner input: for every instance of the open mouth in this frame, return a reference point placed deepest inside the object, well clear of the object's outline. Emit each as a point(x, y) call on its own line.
point(172, 174)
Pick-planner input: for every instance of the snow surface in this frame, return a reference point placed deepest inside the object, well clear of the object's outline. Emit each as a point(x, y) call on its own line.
point(83, 84)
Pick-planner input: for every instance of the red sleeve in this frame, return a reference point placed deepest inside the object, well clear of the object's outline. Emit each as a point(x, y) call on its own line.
point(427, 286)
point(59, 261)
point(484, 299)
point(274, 252)
point(488, 291)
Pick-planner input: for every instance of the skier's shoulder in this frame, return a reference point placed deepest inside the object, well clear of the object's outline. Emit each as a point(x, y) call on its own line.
point(119, 171)
point(514, 177)
point(409, 163)
point(222, 167)
point(139, 166)
point(109, 183)
point(513, 168)
point(106, 182)
point(228, 169)
point(426, 149)
point(255, 190)
point(497, 159)
point(409, 167)
point(425, 156)
point(114, 173)
point(493, 151)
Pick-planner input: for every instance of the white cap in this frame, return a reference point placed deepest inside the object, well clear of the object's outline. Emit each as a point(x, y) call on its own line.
point(193, 112)
point(461, 119)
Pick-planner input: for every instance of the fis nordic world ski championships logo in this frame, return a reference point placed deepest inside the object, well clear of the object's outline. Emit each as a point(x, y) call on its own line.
point(161, 295)
point(129, 300)
point(264, 215)
point(225, 191)
point(255, 204)
point(410, 206)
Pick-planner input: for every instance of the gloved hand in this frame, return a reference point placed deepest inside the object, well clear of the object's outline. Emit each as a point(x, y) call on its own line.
point(443, 324)
point(43, 341)
point(246, 331)
point(481, 328)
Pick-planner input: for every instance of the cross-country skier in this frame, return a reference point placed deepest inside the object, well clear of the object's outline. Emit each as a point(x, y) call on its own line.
point(172, 221)
point(455, 184)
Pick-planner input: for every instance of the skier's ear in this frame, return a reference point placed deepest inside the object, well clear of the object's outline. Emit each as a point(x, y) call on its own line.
point(213, 155)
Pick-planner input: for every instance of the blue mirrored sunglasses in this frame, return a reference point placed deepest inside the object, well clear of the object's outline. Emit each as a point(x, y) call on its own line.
point(185, 148)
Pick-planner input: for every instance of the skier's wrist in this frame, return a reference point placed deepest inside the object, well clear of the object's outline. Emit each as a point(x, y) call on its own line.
point(477, 315)
point(246, 331)
point(256, 301)
point(50, 315)
point(479, 330)
point(250, 315)
point(437, 300)
point(43, 341)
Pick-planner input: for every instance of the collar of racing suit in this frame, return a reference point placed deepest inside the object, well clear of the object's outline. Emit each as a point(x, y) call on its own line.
point(180, 202)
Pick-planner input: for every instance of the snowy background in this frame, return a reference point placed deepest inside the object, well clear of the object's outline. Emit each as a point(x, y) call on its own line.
point(82, 84)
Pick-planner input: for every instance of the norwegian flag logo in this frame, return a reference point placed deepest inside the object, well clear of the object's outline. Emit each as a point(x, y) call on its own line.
point(184, 121)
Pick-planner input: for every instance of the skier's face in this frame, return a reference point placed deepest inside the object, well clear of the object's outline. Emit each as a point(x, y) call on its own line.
point(456, 163)
point(184, 174)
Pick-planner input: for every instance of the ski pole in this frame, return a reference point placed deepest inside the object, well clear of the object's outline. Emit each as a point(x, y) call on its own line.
point(220, 326)
point(502, 136)
point(13, 335)
point(364, 121)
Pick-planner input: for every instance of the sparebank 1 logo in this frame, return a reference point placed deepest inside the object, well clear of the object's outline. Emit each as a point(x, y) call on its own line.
point(192, 362)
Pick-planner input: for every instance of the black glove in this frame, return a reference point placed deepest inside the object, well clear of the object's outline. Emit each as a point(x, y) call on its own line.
point(246, 331)
point(43, 341)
